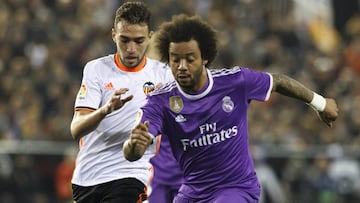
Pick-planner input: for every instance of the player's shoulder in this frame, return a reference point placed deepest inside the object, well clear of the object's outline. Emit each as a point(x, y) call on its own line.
point(226, 71)
point(100, 62)
point(155, 64)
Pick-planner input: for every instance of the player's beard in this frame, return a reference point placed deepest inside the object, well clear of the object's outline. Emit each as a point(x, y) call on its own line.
point(192, 83)
point(131, 62)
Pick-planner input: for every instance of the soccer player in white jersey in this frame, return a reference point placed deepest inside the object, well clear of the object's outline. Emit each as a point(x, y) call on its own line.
point(113, 89)
point(208, 111)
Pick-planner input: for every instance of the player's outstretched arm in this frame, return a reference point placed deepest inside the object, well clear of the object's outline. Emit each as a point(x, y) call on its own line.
point(326, 107)
point(139, 140)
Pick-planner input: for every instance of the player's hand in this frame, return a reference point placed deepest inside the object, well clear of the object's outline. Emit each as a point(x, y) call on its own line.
point(330, 113)
point(116, 101)
point(140, 135)
point(139, 141)
point(157, 86)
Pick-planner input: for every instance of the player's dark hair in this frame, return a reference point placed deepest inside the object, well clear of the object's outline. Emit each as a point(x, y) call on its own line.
point(183, 28)
point(133, 13)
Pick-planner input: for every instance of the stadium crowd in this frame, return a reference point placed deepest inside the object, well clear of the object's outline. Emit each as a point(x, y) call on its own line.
point(45, 43)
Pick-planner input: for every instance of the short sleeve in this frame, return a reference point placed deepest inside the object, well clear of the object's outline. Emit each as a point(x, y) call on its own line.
point(89, 95)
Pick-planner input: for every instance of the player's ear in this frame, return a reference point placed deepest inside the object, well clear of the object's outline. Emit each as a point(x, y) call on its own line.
point(113, 35)
point(151, 33)
point(205, 62)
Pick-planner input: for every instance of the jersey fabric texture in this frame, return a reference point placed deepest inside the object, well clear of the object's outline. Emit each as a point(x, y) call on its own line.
point(100, 158)
point(208, 130)
point(162, 162)
point(227, 195)
point(167, 176)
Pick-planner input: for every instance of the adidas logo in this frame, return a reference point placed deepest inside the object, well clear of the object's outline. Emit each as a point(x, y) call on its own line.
point(109, 86)
point(180, 118)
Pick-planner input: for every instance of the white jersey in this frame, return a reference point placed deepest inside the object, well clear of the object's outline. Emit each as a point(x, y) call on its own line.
point(100, 158)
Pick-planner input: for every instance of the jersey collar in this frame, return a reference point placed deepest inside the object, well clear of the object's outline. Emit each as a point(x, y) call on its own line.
point(203, 93)
point(127, 69)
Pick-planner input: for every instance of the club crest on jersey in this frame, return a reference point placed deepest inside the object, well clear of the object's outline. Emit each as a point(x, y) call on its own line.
point(228, 105)
point(176, 104)
point(82, 91)
point(148, 87)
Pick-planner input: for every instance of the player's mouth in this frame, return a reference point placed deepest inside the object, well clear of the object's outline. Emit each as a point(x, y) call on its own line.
point(131, 58)
point(183, 78)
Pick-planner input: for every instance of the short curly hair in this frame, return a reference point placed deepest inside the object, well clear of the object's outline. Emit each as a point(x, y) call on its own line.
point(183, 28)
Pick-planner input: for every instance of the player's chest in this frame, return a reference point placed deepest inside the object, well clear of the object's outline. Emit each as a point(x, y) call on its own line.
point(212, 108)
point(138, 85)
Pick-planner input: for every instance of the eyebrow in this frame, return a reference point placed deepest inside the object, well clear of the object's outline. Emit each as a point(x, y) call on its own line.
point(187, 54)
point(132, 38)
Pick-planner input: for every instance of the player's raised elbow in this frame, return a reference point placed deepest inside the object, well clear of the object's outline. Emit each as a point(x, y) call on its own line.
point(75, 130)
point(278, 80)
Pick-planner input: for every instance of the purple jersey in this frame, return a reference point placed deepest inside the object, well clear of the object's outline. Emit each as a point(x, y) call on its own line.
point(167, 176)
point(208, 131)
point(162, 162)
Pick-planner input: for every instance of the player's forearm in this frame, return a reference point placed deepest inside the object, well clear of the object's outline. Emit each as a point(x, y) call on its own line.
point(326, 107)
point(130, 151)
point(289, 87)
point(84, 123)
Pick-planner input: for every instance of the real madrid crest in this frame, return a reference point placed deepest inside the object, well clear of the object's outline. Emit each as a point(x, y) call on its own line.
point(176, 104)
point(228, 105)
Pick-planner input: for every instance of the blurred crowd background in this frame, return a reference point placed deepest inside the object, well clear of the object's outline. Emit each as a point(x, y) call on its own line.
point(44, 45)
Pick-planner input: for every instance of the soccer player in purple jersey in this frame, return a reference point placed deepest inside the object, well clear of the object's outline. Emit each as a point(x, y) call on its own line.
point(204, 112)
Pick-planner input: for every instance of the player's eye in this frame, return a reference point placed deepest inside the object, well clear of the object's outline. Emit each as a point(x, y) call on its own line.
point(124, 40)
point(139, 41)
point(175, 59)
point(190, 59)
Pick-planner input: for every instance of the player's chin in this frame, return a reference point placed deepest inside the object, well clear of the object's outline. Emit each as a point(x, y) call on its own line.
point(184, 84)
point(184, 81)
point(131, 63)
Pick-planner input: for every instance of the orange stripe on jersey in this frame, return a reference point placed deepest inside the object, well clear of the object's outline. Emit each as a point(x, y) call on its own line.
point(143, 196)
point(127, 69)
point(84, 108)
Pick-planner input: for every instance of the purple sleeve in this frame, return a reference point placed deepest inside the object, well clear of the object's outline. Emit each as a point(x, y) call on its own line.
point(258, 84)
point(152, 112)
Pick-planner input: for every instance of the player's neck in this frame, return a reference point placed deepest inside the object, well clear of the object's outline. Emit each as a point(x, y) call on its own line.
point(202, 85)
point(123, 67)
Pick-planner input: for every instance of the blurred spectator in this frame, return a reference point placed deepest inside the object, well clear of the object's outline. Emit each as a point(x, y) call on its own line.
point(6, 170)
point(321, 186)
point(344, 171)
point(352, 53)
point(271, 189)
point(63, 175)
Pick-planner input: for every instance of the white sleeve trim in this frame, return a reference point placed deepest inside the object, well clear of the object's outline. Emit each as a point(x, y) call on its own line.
point(270, 88)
